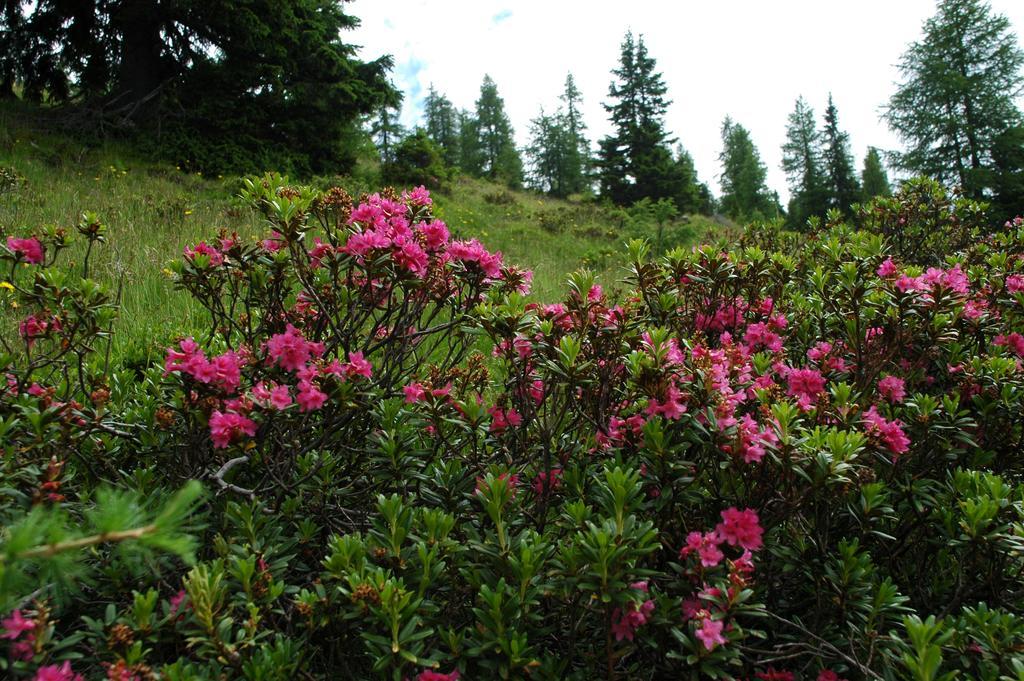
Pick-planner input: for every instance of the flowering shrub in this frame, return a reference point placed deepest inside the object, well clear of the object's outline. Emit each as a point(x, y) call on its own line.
point(795, 458)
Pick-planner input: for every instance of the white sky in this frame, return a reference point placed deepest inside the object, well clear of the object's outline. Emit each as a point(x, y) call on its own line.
point(749, 59)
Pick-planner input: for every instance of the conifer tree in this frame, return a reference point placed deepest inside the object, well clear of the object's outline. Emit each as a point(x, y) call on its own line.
point(840, 177)
point(744, 192)
point(874, 180)
point(494, 131)
point(635, 161)
point(442, 126)
point(578, 162)
point(471, 155)
point(548, 154)
point(802, 162)
point(386, 131)
point(960, 83)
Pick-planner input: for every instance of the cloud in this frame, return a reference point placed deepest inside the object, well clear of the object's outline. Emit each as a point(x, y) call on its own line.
point(501, 16)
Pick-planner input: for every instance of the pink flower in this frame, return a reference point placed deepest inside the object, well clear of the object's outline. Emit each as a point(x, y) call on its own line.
point(176, 601)
point(772, 674)
point(280, 397)
point(310, 398)
point(905, 284)
point(1014, 343)
point(414, 392)
point(890, 432)
point(29, 249)
point(290, 350)
point(626, 622)
point(710, 633)
point(1015, 283)
point(740, 528)
point(419, 196)
point(54, 673)
point(705, 546)
point(202, 248)
point(503, 418)
point(829, 675)
point(758, 335)
point(805, 385)
point(318, 252)
point(428, 675)
point(410, 255)
point(886, 269)
point(435, 234)
point(892, 388)
point(358, 365)
point(361, 243)
point(34, 327)
point(227, 426)
point(551, 480)
point(274, 244)
point(15, 625)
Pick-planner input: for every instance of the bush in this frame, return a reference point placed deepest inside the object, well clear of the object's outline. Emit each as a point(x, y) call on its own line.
point(800, 461)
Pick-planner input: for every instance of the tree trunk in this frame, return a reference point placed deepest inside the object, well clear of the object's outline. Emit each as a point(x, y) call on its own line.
point(141, 68)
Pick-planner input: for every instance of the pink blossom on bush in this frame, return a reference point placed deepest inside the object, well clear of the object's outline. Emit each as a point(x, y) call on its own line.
point(226, 426)
point(309, 397)
point(410, 255)
point(419, 196)
point(290, 350)
point(740, 528)
point(435, 234)
point(805, 385)
point(1015, 283)
point(202, 248)
point(829, 675)
point(428, 675)
point(473, 252)
point(890, 432)
point(710, 633)
point(892, 388)
point(772, 674)
point(501, 419)
point(672, 407)
point(280, 397)
point(626, 621)
point(550, 480)
point(905, 284)
point(15, 625)
point(36, 326)
point(54, 673)
point(705, 545)
point(414, 392)
point(358, 365)
point(1013, 342)
point(758, 335)
point(319, 251)
point(274, 243)
point(886, 269)
point(30, 249)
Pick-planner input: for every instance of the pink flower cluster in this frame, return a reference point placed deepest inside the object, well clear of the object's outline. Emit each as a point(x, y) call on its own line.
point(202, 248)
point(892, 388)
point(626, 621)
point(290, 350)
point(20, 630)
point(1013, 342)
point(228, 426)
point(223, 371)
point(429, 675)
point(29, 249)
point(889, 432)
point(52, 672)
point(502, 419)
point(472, 251)
point(37, 326)
point(805, 385)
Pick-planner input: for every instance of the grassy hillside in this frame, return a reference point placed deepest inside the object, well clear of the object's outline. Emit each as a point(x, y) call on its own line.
point(153, 211)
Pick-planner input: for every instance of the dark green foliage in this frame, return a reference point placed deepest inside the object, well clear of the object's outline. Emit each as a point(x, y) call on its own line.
point(416, 161)
point(874, 180)
point(744, 192)
point(558, 153)
point(958, 94)
point(801, 159)
point(387, 131)
point(471, 153)
point(840, 177)
point(214, 85)
point(442, 124)
point(495, 146)
point(635, 161)
point(1008, 174)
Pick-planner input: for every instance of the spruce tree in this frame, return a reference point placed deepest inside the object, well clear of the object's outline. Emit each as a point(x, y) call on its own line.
point(802, 163)
point(841, 179)
point(230, 85)
point(1008, 174)
point(494, 131)
point(386, 131)
point(635, 162)
point(578, 163)
point(745, 195)
point(960, 83)
point(548, 154)
point(442, 126)
point(471, 153)
point(874, 180)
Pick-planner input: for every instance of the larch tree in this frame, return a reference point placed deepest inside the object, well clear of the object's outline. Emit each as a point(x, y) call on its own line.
point(960, 83)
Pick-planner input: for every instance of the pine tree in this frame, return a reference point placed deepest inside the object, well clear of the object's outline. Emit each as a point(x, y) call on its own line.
point(229, 85)
point(958, 94)
point(471, 153)
point(494, 131)
point(442, 126)
point(801, 160)
point(841, 179)
point(548, 154)
point(635, 162)
point(1008, 174)
point(745, 195)
point(578, 162)
point(387, 132)
point(874, 180)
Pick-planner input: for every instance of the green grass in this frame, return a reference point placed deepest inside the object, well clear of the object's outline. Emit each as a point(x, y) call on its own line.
point(152, 211)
